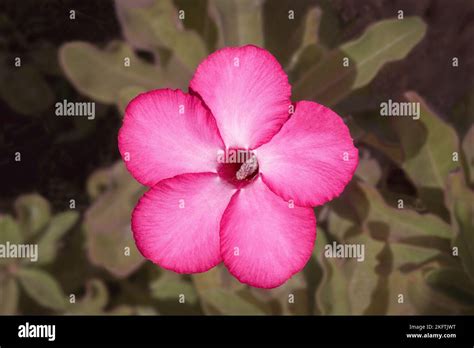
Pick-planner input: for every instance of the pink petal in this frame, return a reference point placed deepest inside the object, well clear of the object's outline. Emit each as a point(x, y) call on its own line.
point(165, 133)
point(176, 223)
point(264, 241)
point(311, 159)
point(247, 91)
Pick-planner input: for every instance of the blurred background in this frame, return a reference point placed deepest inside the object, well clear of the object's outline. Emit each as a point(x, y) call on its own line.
point(64, 186)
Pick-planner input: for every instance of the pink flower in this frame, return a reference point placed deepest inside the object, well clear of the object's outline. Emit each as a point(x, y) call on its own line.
point(256, 215)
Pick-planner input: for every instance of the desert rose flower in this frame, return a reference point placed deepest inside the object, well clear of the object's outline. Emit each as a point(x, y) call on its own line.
point(205, 206)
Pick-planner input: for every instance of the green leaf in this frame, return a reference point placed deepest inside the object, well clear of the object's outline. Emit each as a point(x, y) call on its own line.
point(468, 150)
point(332, 294)
point(368, 169)
point(296, 287)
point(392, 293)
point(145, 310)
point(9, 295)
point(461, 201)
point(462, 116)
point(396, 292)
point(329, 81)
point(42, 288)
point(339, 226)
point(229, 303)
point(186, 45)
point(330, 28)
point(429, 301)
point(169, 287)
point(385, 41)
point(9, 230)
point(200, 20)
point(135, 35)
point(121, 310)
point(102, 74)
point(428, 148)
point(26, 92)
point(160, 27)
point(390, 150)
point(401, 225)
point(9, 233)
point(98, 183)
point(309, 51)
point(107, 223)
point(284, 37)
point(378, 131)
point(412, 255)
point(216, 278)
point(364, 278)
point(308, 56)
point(409, 202)
point(94, 300)
point(352, 204)
point(321, 241)
point(239, 21)
point(33, 212)
point(58, 226)
point(453, 282)
point(126, 95)
point(312, 20)
point(409, 294)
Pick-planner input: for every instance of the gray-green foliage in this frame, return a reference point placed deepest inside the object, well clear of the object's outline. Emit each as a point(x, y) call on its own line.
point(420, 249)
point(34, 225)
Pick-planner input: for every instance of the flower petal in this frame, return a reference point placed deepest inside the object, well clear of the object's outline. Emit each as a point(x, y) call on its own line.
point(264, 240)
point(311, 159)
point(166, 133)
point(248, 93)
point(176, 223)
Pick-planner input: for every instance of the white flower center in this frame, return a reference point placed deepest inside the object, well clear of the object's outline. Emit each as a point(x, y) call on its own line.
point(247, 168)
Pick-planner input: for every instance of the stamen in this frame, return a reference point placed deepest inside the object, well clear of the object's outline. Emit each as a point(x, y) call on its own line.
point(248, 168)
